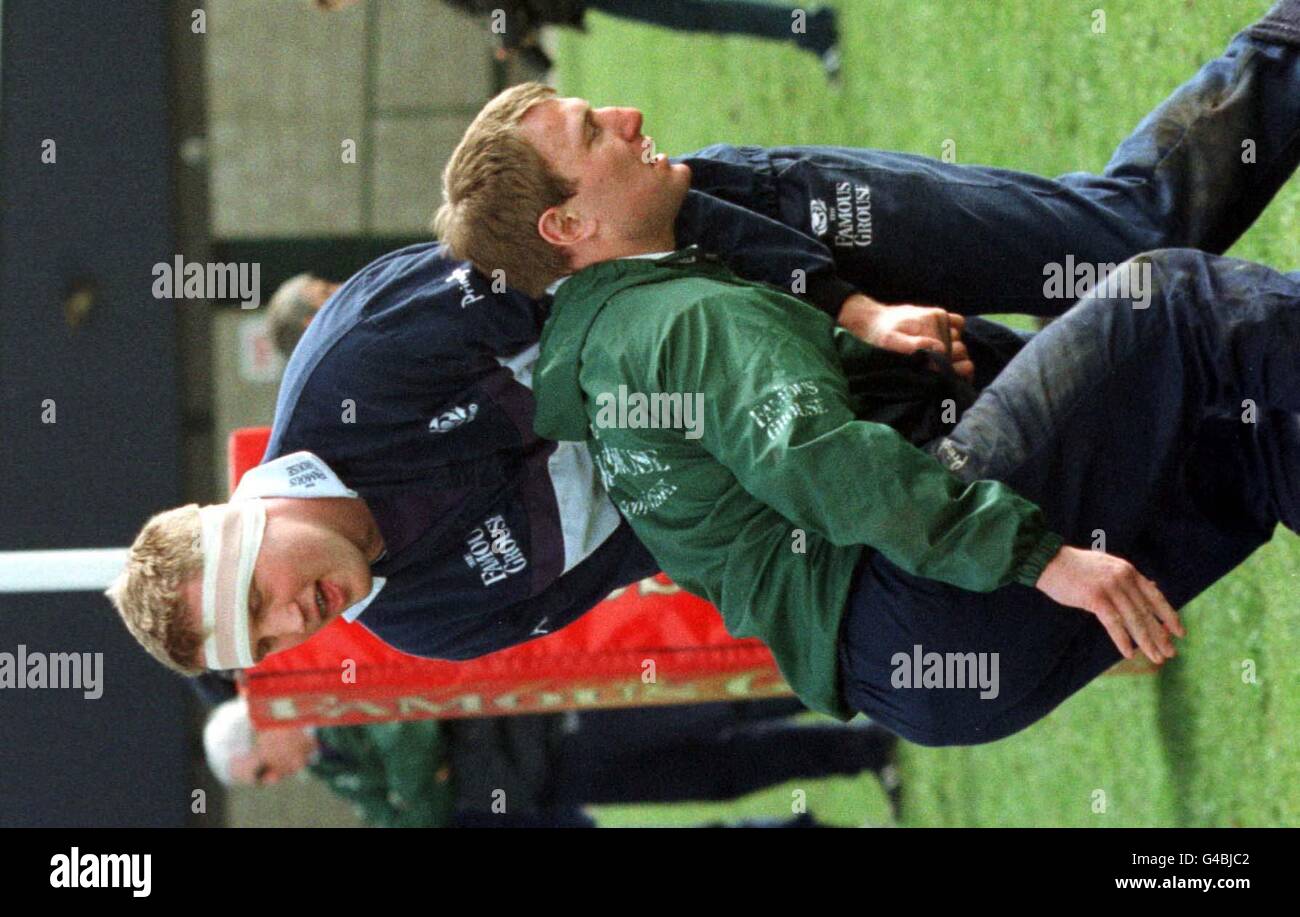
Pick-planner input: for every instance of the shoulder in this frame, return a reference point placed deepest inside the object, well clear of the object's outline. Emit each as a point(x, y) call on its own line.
point(403, 335)
point(692, 302)
point(691, 324)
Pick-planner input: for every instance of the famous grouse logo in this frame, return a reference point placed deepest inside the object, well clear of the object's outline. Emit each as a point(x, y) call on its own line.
point(853, 227)
point(493, 551)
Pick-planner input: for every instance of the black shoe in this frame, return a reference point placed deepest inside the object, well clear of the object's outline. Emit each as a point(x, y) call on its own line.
point(823, 39)
point(832, 64)
point(892, 783)
point(883, 764)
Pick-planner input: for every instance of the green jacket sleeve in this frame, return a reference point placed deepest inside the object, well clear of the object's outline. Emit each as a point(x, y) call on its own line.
point(356, 773)
point(777, 414)
point(391, 772)
point(414, 753)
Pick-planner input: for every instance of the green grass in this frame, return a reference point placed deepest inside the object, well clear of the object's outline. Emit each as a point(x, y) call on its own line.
point(1026, 86)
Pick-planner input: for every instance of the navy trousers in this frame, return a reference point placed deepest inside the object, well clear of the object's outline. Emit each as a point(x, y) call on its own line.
point(1167, 434)
point(759, 18)
point(702, 752)
point(1195, 173)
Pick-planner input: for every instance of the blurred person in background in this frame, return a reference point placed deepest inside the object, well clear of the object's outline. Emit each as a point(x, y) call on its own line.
point(815, 32)
point(541, 770)
point(292, 307)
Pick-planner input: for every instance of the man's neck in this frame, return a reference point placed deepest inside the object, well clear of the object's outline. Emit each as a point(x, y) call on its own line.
point(667, 242)
point(560, 281)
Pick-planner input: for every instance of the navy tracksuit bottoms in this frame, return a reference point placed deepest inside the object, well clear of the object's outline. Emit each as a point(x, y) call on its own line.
point(1168, 434)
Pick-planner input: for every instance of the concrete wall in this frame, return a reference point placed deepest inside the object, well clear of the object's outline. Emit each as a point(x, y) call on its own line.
point(287, 85)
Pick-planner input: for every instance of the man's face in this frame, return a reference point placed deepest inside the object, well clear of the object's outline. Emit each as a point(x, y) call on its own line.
point(626, 193)
point(306, 574)
point(276, 754)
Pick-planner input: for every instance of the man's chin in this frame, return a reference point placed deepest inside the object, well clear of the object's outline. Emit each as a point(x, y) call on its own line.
point(679, 181)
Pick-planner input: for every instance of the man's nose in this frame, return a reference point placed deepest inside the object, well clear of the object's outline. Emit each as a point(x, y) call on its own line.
point(637, 120)
point(627, 122)
point(290, 618)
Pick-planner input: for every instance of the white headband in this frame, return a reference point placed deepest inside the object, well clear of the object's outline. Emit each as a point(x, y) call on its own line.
point(232, 536)
point(231, 540)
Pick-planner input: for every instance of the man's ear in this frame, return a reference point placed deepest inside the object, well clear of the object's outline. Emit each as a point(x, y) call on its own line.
point(563, 228)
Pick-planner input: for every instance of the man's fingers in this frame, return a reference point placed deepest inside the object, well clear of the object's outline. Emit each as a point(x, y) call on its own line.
point(1148, 620)
point(945, 335)
point(959, 358)
point(923, 343)
point(957, 354)
point(1143, 624)
point(1118, 635)
point(1167, 614)
point(956, 322)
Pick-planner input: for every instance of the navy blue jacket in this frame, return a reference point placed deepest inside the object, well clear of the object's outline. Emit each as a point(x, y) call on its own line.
point(412, 383)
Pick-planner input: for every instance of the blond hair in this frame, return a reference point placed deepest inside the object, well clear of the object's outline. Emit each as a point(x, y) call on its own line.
point(495, 188)
point(148, 592)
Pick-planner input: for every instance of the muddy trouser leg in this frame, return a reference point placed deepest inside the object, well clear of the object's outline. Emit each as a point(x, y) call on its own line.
point(1200, 169)
point(1229, 512)
point(1195, 173)
point(1097, 420)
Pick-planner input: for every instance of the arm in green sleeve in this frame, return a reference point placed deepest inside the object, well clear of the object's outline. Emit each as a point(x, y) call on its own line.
point(357, 774)
point(414, 753)
point(777, 414)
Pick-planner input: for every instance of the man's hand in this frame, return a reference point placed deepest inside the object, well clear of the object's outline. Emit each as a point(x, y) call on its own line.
point(907, 329)
point(1130, 606)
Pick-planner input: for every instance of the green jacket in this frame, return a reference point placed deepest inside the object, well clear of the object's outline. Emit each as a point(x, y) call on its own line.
point(765, 508)
point(396, 773)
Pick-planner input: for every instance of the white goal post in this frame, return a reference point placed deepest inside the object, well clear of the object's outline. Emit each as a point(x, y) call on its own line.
point(71, 570)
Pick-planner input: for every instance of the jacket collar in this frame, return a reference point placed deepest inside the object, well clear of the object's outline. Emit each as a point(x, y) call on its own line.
point(560, 411)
